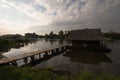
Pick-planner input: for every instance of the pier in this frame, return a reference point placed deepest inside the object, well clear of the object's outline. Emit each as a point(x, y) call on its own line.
point(34, 56)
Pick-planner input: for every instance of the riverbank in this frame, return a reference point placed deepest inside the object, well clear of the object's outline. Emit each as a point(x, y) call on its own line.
point(27, 73)
point(7, 44)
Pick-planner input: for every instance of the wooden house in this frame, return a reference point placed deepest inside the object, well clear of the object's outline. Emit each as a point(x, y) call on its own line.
point(87, 39)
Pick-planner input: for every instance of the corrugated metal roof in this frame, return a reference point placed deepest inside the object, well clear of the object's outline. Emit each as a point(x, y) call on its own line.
point(86, 34)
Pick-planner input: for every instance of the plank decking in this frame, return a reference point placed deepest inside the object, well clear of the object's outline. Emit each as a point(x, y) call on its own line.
point(25, 55)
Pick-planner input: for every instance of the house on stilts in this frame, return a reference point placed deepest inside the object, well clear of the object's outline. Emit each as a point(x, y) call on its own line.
point(88, 39)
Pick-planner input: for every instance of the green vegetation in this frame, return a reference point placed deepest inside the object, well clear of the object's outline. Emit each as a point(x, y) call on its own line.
point(11, 41)
point(113, 35)
point(16, 40)
point(7, 44)
point(27, 73)
point(15, 37)
point(31, 35)
point(61, 35)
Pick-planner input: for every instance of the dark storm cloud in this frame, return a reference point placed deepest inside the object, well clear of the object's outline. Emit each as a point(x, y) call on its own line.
point(104, 14)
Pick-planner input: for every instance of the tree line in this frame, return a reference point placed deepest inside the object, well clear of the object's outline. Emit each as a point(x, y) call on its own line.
point(112, 35)
point(61, 34)
point(15, 40)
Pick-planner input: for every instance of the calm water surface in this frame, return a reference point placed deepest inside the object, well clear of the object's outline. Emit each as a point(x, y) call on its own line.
point(75, 61)
point(41, 44)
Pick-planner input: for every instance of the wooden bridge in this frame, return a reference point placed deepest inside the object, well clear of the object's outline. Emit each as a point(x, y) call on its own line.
point(48, 53)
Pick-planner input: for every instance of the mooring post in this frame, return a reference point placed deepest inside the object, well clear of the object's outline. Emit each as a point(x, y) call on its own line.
point(25, 60)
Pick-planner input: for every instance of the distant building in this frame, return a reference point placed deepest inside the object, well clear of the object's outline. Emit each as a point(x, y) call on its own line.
point(87, 39)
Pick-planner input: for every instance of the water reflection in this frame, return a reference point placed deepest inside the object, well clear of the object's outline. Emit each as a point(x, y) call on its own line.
point(88, 57)
point(52, 41)
point(8, 48)
point(61, 41)
point(41, 44)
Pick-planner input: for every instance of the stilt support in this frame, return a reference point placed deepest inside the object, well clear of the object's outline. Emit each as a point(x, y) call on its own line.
point(14, 63)
point(25, 60)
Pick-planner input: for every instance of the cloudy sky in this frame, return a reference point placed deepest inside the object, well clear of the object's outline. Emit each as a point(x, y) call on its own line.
point(43, 16)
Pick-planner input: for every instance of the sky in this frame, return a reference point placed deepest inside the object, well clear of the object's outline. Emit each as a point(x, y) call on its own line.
point(43, 16)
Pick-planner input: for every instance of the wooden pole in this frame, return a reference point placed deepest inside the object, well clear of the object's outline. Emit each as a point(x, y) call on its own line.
point(57, 51)
point(39, 55)
point(14, 63)
point(46, 54)
point(32, 58)
point(25, 60)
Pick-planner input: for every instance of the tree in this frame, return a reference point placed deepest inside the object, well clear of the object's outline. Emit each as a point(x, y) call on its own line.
point(46, 35)
point(61, 34)
point(31, 35)
point(51, 34)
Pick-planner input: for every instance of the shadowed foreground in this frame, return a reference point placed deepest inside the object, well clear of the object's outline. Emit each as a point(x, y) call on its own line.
point(27, 73)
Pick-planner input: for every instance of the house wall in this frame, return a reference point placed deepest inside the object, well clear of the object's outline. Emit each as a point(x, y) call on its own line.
point(86, 44)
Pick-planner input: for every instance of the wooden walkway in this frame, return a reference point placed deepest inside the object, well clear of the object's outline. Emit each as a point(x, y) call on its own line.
point(13, 59)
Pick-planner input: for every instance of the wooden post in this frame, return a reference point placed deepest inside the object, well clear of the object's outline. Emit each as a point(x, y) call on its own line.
point(57, 51)
point(46, 54)
point(25, 60)
point(62, 49)
point(35, 57)
point(53, 52)
point(14, 63)
point(50, 52)
point(39, 55)
point(32, 58)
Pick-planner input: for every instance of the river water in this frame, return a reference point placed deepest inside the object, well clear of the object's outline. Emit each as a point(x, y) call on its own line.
point(75, 61)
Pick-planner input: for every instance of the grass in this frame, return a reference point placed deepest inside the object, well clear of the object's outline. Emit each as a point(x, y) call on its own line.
point(27, 73)
point(88, 76)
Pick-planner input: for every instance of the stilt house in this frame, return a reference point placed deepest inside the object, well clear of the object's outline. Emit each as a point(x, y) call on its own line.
point(87, 39)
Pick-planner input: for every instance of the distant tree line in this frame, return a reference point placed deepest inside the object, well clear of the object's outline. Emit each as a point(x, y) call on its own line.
point(61, 35)
point(112, 35)
point(15, 40)
point(20, 38)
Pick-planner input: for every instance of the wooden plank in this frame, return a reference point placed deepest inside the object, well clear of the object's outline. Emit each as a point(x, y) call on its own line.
point(7, 60)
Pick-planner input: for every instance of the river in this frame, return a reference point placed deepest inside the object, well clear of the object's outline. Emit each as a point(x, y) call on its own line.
point(74, 61)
